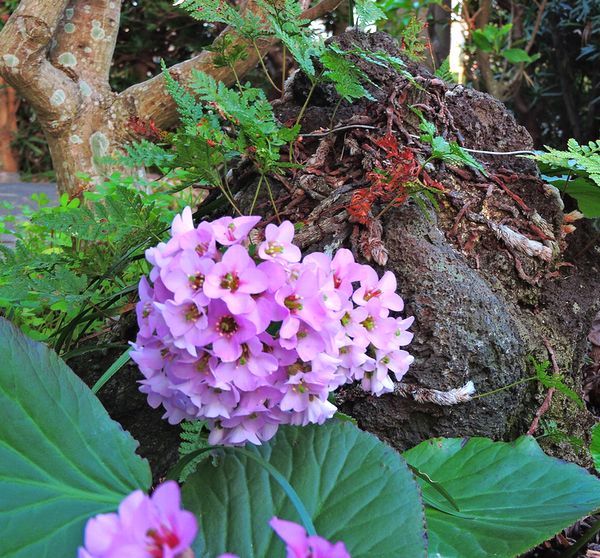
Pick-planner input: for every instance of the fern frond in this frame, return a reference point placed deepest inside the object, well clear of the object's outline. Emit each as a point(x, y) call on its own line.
point(194, 436)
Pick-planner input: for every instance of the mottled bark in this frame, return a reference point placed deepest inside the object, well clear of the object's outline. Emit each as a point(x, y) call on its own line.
point(57, 54)
point(8, 128)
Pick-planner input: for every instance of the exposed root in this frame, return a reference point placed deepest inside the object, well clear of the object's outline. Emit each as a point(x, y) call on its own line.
point(436, 396)
point(521, 243)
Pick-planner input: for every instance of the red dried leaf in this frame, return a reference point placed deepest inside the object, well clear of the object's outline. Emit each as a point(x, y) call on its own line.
point(148, 130)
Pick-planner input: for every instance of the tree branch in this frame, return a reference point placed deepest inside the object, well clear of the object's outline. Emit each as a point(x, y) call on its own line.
point(536, 26)
point(150, 100)
point(24, 41)
point(86, 39)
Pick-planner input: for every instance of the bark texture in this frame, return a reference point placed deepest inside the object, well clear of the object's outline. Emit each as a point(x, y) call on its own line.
point(9, 104)
point(57, 54)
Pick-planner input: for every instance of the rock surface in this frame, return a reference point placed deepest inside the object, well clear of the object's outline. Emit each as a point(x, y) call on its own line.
point(482, 273)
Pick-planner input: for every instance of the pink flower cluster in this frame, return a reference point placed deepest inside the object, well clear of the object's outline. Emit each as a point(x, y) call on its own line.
point(144, 527)
point(250, 337)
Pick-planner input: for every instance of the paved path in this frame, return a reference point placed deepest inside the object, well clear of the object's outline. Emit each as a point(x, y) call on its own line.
point(18, 194)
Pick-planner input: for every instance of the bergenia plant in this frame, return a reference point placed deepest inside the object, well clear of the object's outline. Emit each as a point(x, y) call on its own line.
point(248, 337)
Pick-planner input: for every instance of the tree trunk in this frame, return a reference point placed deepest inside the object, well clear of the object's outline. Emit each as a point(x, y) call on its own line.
point(9, 165)
point(57, 54)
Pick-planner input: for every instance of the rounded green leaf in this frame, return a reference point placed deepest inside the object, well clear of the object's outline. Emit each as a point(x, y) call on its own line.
point(355, 488)
point(510, 496)
point(62, 459)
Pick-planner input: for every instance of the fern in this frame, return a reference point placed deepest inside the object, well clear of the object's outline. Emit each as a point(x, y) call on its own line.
point(75, 261)
point(412, 40)
point(367, 13)
point(285, 23)
point(555, 381)
point(582, 160)
point(444, 150)
point(444, 72)
point(194, 436)
point(344, 74)
point(148, 154)
point(576, 172)
point(213, 11)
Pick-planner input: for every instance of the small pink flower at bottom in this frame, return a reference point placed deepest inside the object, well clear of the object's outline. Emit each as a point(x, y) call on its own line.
point(144, 527)
point(300, 545)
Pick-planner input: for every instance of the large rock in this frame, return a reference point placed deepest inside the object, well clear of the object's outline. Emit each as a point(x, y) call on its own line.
point(482, 273)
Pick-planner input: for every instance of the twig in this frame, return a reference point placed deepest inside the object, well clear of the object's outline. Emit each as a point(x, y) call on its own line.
point(536, 25)
point(459, 217)
point(332, 130)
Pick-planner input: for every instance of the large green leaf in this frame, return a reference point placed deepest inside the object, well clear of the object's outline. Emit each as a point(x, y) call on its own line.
point(511, 497)
point(583, 190)
point(595, 446)
point(355, 488)
point(62, 459)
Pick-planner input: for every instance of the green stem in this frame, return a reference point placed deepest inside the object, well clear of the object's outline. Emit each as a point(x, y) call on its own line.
point(227, 194)
point(262, 65)
point(237, 79)
point(272, 199)
point(299, 118)
point(283, 70)
point(262, 176)
point(175, 473)
point(337, 106)
point(503, 388)
point(305, 105)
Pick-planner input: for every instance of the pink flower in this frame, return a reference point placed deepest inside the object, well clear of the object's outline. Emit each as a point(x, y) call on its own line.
point(300, 545)
point(229, 231)
point(278, 243)
point(144, 527)
point(384, 290)
point(185, 275)
point(226, 331)
point(234, 279)
point(302, 303)
point(186, 322)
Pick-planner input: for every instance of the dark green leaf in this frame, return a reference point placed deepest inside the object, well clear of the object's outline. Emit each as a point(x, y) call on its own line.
point(62, 459)
point(511, 496)
point(595, 446)
point(517, 55)
point(355, 488)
